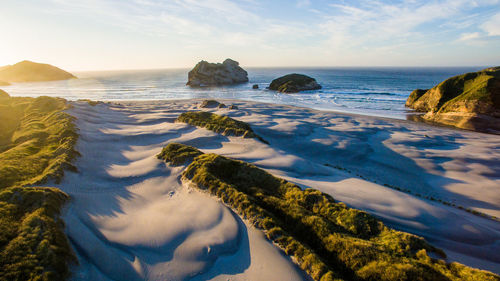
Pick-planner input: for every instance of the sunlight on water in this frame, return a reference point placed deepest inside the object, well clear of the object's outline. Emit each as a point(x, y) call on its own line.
point(369, 91)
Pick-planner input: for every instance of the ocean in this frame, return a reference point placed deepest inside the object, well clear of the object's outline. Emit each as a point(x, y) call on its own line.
point(374, 91)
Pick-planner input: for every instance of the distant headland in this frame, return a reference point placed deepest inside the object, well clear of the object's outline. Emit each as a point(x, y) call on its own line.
point(28, 71)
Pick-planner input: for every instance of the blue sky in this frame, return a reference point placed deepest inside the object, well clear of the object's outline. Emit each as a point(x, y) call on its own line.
point(142, 34)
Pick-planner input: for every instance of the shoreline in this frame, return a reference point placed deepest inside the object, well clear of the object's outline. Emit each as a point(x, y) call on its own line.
point(410, 117)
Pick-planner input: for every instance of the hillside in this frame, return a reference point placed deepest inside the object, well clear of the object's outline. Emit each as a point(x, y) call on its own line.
point(468, 101)
point(36, 144)
point(27, 71)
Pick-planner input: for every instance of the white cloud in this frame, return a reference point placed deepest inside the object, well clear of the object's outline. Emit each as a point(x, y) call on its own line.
point(469, 36)
point(338, 33)
point(195, 24)
point(376, 23)
point(303, 3)
point(492, 26)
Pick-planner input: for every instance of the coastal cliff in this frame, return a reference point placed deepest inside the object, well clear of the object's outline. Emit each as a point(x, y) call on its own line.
point(469, 101)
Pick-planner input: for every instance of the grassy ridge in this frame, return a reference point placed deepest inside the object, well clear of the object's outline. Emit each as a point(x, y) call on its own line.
point(224, 125)
point(327, 239)
point(475, 92)
point(37, 140)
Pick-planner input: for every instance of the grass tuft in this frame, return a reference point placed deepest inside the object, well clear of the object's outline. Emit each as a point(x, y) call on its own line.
point(224, 125)
point(178, 154)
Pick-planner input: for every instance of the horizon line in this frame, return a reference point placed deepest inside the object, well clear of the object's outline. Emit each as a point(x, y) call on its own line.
point(287, 67)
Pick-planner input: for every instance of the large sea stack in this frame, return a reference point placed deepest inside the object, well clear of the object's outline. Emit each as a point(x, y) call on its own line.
point(293, 83)
point(469, 101)
point(28, 71)
point(216, 74)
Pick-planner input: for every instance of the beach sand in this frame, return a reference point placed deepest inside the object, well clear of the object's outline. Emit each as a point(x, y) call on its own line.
point(131, 218)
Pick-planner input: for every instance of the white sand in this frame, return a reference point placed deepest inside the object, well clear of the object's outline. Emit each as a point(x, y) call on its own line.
point(131, 218)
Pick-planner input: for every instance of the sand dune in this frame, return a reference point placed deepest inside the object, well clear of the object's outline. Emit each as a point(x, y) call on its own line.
point(132, 219)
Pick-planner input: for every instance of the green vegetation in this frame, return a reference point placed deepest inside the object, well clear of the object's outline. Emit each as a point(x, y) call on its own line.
point(327, 239)
point(293, 83)
point(32, 241)
point(476, 92)
point(27, 71)
point(178, 154)
point(414, 96)
point(224, 125)
point(37, 142)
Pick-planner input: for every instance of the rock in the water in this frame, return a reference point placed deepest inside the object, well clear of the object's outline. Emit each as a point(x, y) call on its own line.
point(3, 94)
point(469, 101)
point(255, 86)
point(221, 105)
point(293, 83)
point(232, 106)
point(216, 74)
point(27, 71)
point(209, 104)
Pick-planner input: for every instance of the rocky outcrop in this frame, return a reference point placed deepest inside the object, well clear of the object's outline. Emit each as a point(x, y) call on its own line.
point(216, 74)
point(293, 83)
point(27, 71)
point(469, 101)
point(209, 104)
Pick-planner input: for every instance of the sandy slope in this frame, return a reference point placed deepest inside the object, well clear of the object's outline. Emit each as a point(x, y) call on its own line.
point(131, 219)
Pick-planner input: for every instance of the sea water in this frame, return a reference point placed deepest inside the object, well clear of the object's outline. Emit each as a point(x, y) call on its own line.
point(369, 91)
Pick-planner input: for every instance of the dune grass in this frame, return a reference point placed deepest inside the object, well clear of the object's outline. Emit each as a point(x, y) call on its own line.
point(32, 240)
point(178, 154)
point(327, 239)
point(37, 140)
point(224, 125)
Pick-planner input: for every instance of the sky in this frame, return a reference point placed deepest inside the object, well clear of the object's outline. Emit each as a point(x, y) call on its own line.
point(147, 34)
